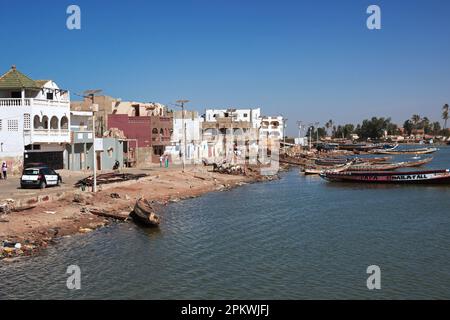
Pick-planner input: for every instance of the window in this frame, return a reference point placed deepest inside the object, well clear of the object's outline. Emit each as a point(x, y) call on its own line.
point(26, 121)
point(13, 125)
point(49, 95)
point(245, 115)
point(16, 95)
point(0, 124)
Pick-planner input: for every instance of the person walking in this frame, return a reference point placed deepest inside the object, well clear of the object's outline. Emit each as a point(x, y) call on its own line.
point(4, 170)
point(167, 161)
point(161, 160)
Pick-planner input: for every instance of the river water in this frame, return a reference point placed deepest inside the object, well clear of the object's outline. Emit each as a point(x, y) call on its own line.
point(295, 238)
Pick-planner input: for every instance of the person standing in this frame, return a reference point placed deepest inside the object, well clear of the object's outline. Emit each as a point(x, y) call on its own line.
point(161, 160)
point(4, 170)
point(167, 161)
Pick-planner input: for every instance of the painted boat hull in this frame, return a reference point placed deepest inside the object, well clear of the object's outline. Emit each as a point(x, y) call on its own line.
point(413, 177)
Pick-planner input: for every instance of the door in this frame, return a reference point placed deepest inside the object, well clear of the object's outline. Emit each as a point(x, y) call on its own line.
point(51, 178)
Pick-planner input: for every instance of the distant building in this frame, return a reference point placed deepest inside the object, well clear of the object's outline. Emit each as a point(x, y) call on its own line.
point(34, 121)
point(272, 127)
point(80, 152)
point(151, 133)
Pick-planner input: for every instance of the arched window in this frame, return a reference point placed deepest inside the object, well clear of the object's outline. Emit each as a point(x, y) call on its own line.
point(155, 131)
point(54, 123)
point(37, 122)
point(64, 123)
point(161, 131)
point(45, 122)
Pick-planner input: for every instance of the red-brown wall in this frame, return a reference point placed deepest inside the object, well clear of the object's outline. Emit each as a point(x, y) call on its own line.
point(141, 129)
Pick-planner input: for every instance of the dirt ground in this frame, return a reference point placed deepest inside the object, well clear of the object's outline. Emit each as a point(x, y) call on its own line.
point(36, 228)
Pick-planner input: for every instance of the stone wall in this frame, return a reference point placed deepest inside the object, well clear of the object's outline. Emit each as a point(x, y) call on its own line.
point(15, 164)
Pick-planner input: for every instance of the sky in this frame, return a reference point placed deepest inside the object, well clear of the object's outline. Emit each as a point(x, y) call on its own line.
point(306, 60)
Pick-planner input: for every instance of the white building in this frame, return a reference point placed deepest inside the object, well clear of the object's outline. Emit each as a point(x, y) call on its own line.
point(193, 137)
point(34, 120)
point(272, 127)
point(243, 115)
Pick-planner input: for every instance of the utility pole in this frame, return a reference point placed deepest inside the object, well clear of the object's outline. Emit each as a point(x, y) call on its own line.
point(317, 131)
point(182, 102)
point(299, 124)
point(90, 94)
point(284, 135)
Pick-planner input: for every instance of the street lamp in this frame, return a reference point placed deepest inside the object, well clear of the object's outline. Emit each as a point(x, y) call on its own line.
point(182, 102)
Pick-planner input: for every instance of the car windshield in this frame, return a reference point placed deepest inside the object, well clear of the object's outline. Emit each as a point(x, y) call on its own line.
point(31, 172)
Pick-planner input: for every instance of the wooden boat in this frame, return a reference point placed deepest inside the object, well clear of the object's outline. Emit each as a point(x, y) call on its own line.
point(318, 169)
point(375, 167)
point(413, 177)
point(372, 160)
point(389, 166)
point(406, 151)
point(330, 161)
point(143, 213)
point(418, 163)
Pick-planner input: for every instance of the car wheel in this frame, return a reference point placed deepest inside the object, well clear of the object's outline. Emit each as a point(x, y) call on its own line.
point(42, 185)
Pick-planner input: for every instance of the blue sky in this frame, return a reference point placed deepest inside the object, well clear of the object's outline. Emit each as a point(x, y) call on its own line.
point(308, 60)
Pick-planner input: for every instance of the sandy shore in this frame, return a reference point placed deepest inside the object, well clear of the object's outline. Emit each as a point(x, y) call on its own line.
point(36, 228)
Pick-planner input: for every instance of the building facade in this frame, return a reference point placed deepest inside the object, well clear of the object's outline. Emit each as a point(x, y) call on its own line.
point(34, 121)
point(151, 133)
point(80, 154)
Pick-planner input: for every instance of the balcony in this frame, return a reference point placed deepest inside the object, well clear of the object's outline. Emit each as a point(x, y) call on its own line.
point(47, 136)
point(32, 102)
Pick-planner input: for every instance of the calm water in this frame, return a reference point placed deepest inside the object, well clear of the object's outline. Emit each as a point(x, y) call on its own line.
point(296, 238)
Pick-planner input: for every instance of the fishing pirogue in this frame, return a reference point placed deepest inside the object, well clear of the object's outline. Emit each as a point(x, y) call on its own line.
point(414, 177)
point(144, 213)
point(405, 151)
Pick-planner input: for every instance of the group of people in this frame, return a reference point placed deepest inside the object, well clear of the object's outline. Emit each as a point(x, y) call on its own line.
point(4, 173)
point(164, 159)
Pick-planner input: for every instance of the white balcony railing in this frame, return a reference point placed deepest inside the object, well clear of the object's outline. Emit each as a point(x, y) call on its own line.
point(14, 102)
point(32, 102)
point(47, 135)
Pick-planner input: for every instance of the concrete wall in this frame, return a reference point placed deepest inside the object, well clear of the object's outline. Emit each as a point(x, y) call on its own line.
point(15, 164)
point(112, 152)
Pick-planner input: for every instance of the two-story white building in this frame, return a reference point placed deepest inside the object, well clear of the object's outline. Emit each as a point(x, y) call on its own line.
point(237, 115)
point(272, 127)
point(34, 121)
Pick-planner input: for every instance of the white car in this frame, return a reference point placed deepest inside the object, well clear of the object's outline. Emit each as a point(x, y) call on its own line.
point(40, 177)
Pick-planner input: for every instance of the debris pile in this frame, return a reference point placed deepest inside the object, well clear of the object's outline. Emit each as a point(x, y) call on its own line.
point(107, 178)
point(228, 168)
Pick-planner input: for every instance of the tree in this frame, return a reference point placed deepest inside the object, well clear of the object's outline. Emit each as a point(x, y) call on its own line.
point(425, 125)
point(445, 115)
point(374, 128)
point(408, 127)
point(436, 128)
point(415, 120)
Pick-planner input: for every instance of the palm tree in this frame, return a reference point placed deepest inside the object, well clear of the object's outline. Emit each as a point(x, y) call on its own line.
point(415, 120)
point(445, 115)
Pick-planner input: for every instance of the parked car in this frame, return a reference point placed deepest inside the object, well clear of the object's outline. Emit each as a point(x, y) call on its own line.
point(40, 177)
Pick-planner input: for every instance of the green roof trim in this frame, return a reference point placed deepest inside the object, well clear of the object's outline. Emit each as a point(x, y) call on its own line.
point(14, 79)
